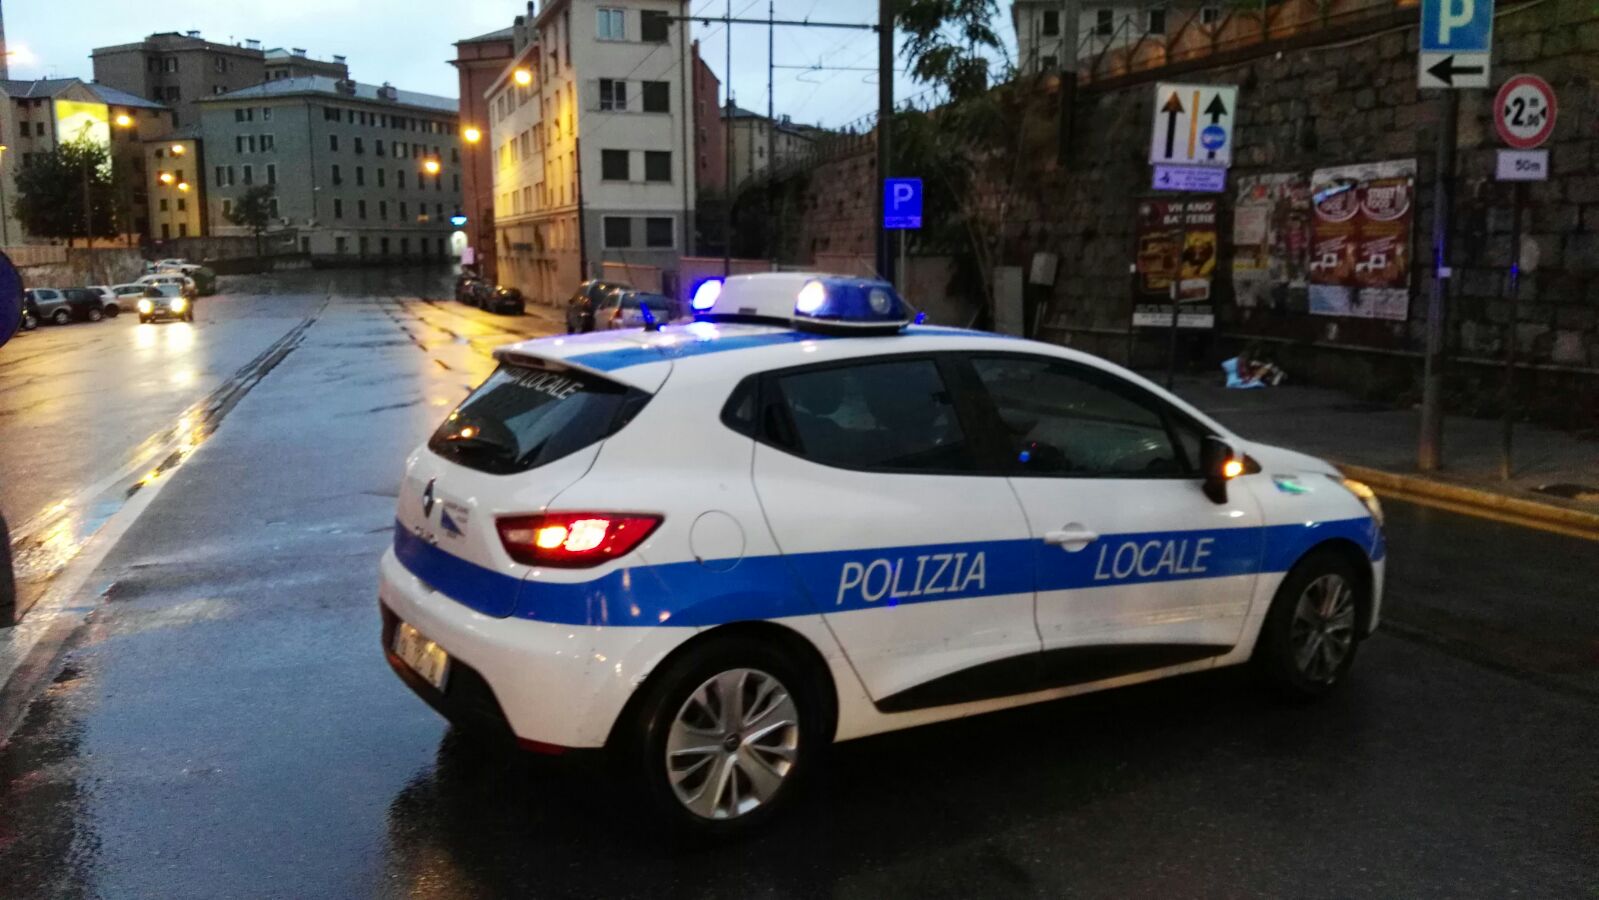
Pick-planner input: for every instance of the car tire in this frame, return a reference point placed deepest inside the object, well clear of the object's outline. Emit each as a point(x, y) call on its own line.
point(144, 320)
point(1313, 629)
point(29, 321)
point(740, 777)
point(95, 315)
point(61, 317)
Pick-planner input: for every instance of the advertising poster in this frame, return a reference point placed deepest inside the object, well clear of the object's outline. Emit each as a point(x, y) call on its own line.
point(1360, 240)
point(1271, 238)
point(77, 120)
point(1176, 245)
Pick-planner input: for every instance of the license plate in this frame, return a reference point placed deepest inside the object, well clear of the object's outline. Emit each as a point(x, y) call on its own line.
point(423, 656)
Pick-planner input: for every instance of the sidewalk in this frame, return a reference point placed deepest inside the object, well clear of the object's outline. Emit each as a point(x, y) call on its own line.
point(1377, 444)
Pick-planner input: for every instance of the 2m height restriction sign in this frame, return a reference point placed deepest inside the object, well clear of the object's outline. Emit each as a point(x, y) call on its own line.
point(1193, 125)
point(1524, 112)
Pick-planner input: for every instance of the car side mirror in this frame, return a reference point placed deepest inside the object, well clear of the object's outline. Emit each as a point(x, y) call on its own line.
point(1219, 465)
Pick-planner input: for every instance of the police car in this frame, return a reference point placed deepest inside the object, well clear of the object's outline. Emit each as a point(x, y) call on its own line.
point(714, 548)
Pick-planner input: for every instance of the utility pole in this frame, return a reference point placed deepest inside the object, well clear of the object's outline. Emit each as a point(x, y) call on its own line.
point(885, 114)
point(1429, 455)
point(772, 229)
point(727, 129)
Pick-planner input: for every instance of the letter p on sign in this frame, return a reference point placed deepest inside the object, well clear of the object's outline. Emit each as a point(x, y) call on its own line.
point(1456, 14)
point(902, 203)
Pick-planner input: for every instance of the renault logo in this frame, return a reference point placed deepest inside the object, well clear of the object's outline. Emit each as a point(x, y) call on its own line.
point(427, 498)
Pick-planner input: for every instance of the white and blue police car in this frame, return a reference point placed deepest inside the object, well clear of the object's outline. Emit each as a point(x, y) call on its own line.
point(714, 548)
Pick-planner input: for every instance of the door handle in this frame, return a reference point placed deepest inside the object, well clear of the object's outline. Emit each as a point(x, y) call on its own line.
point(1072, 538)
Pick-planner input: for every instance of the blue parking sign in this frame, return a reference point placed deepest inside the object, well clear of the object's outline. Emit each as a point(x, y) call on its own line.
point(902, 203)
point(1456, 26)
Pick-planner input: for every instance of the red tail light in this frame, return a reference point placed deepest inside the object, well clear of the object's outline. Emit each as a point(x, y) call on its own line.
point(574, 540)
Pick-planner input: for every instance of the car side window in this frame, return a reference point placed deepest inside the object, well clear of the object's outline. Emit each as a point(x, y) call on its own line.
point(1058, 419)
point(886, 416)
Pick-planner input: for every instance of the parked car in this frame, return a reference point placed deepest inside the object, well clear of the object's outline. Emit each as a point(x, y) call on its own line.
point(472, 291)
point(176, 278)
point(63, 305)
point(128, 294)
point(30, 313)
point(585, 300)
point(463, 281)
point(205, 280)
point(624, 309)
point(501, 299)
point(171, 265)
point(109, 301)
point(166, 301)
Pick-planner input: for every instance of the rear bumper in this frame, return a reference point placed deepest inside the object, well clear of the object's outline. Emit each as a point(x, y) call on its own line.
point(550, 685)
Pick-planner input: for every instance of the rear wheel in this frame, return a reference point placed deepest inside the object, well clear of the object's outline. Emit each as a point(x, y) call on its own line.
point(720, 738)
point(1312, 631)
point(61, 317)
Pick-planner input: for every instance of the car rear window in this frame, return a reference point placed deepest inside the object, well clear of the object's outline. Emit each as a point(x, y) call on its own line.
point(523, 417)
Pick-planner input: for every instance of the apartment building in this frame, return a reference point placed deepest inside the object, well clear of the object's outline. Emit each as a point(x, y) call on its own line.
point(591, 127)
point(759, 143)
point(1043, 43)
point(295, 63)
point(178, 69)
point(42, 113)
point(479, 62)
point(360, 171)
point(710, 136)
point(173, 182)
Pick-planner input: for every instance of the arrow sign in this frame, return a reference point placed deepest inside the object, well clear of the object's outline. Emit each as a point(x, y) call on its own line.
point(1446, 69)
point(1172, 109)
point(1180, 134)
point(1456, 39)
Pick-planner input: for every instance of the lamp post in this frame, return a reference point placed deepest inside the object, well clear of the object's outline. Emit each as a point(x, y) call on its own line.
point(5, 236)
point(471, 135)
point(125, 122)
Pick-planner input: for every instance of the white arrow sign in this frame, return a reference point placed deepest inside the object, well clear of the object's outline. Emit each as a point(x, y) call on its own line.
point(1193, 124)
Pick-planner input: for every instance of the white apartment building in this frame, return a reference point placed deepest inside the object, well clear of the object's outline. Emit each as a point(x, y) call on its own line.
point(1042, 27)
point(590, 129)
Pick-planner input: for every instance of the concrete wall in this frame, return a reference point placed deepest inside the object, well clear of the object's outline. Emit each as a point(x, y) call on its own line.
point(112, 265)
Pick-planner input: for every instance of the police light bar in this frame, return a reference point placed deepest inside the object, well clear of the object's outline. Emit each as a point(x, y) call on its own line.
point(804, 300)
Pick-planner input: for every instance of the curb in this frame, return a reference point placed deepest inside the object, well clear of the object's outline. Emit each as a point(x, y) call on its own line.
point(1432, 488)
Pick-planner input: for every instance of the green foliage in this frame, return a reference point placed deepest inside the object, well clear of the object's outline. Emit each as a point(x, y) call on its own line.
point(253, 210)
point(50, 192)
point(949, 43)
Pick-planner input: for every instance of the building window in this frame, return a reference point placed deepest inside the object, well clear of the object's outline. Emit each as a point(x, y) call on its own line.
point(220, 178)
point(618, 232)
point(183, 229)
point(250, 142)
point(266, 113)
point(657, 165)
point(657, 96)
point(1209, 15)
point(333, 143)
point(383, 210)
point(381, 174)
point(377, 147)
point(230, 176)
point(338, 208)
point(163, 204)
point(272, 173)
point(359, 146)
point(183, 204)
point(272, 207)
point(402, 210)
point(360, 177)
point(658, 232)
point(1104, 21)
point(360, 209)
point(238, 143)
point(1157, 21)
point(611, 25)
point(249, 175)
point(338, 177)
point(613, 94)
point(166, 230)
point(227, 208)
point(652, 26)
point(238, 115)
point(613, 165)
point(268, 143)
point(1051, 26)
point(341, 244)
point(1047, 62)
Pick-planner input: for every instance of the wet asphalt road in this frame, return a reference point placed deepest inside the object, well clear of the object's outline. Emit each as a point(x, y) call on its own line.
point(224, 724)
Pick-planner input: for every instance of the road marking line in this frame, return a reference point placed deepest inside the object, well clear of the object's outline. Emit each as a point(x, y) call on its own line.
point(1493, 515)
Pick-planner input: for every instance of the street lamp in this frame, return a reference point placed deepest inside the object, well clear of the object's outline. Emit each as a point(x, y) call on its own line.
point(177, 149)
point(165, 177)
point(183, 186)
point(523, 77)
point(471, 135)
point(123, 120)
point(430, 166)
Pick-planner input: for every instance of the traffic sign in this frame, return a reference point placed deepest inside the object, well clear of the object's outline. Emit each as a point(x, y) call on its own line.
point(1522, 165)
point(1190, 178)
point(1456, 40)
point(902, 203)
point(1193, 125)
point(1524, 111)
point(10, 299)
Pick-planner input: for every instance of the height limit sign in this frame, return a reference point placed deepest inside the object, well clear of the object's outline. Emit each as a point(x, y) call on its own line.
point(1193, 125)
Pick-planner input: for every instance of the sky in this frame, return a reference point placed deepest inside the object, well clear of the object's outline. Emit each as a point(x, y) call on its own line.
point(408, 42)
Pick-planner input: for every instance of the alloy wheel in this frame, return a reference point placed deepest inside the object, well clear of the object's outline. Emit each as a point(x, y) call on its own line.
point(732, 744)
point(1323, 630)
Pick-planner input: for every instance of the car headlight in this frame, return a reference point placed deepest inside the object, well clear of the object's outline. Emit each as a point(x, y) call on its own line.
point(178, 303)
point(145, 306)
point(1366, 495)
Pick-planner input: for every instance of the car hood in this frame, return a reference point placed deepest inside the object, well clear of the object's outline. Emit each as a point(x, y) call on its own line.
point(1282, 461)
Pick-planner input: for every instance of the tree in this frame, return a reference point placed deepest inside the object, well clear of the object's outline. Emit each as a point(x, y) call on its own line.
point(254, 211)
point(50, 192)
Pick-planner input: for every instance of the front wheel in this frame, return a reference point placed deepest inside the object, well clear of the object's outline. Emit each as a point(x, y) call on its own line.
point(1312, 631)
point(111, 312)
point(29, 321)
point(721, 737)
point(95, 315)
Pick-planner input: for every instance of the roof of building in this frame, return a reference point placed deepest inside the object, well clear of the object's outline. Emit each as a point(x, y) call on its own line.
point(43, 87)
point(122, 98)
point(503, 34)
point(327, 86)
point(186, 133)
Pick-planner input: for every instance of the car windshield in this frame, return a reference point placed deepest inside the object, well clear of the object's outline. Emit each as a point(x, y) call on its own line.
point(524, 417)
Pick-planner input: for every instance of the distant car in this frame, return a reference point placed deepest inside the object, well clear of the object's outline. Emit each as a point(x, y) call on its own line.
point(172, 265)
point(109, 301)
point(625, 309)
point(585, 300)
point(474, 292)
point(166, 301)
point(128, 294)
point(176, 278)
point(463, 282)
point(63, 305)
point(502, 300)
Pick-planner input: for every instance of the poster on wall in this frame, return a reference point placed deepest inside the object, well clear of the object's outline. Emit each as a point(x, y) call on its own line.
point(77, 120)
point(1176, 245)
point(1360, 240)
point(1271, 238)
